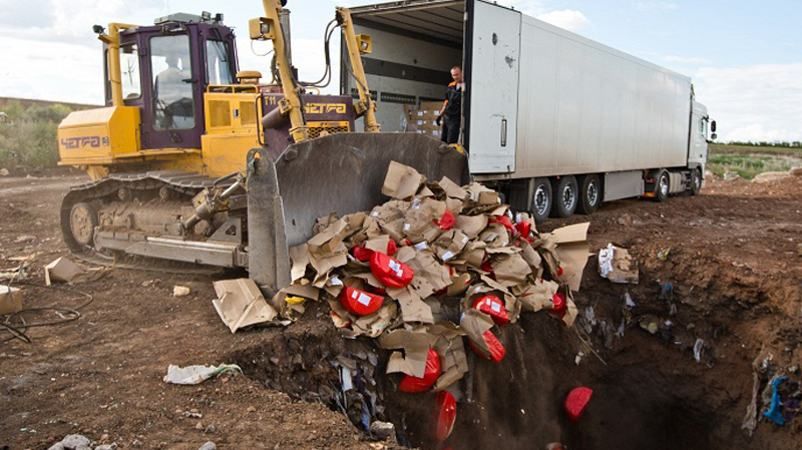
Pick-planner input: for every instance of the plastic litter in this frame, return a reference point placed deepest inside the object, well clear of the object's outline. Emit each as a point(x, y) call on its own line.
point(698, 346)
point(197, 374)
point(577, 401)
point(774, 412)
point(495, 349)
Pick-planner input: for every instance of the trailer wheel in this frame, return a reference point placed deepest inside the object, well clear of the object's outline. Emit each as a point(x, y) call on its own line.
point(590, 194)
point(566, 196)
point(696, 181)
point(541, 200)
point(662, 187)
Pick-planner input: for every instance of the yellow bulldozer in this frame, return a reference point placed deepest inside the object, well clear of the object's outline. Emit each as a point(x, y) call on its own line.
point(193, 160)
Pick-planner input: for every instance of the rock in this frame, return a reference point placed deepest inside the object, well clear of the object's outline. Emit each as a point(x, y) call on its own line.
point(731, 176)
point(209, 445)
point(382, 430)
point(709, 175)
point(4, 172)
point(24, 238)
point(795, 172)
point(210, 429)
point(112, 446)
point(74, 441)
point(57, 446)
point(136, 443)
point(251, 409)
point(767, 177)
point(198, 426)
point(180, 291)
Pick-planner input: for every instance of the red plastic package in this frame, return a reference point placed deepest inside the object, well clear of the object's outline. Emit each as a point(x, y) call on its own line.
point(495, 350)
point(524, 228)
point(363, 254)
point(446, 415)
point(360, 302)
point(576, 402)
point(447, 221)
point(493, 307)
point(559, 305)
point(504, 220)
point(413, 385)
point(390, 272)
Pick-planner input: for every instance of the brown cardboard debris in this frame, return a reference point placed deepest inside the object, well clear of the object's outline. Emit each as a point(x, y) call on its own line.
point(475, 323)
point(472, 225)
point(573, 251)
point(413, 308)
point(402, 181)
point(416, 346)
point(538, 295)
point(452, 190)
point(299, 256)
point(511, 269)
point(450, 244)
point(240, 303)
point(62, 269)
point(10, 300)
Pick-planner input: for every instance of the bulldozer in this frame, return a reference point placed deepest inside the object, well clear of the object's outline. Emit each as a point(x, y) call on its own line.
point(193, 160)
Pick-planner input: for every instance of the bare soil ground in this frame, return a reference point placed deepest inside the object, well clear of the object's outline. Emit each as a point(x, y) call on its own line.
point(731, 254)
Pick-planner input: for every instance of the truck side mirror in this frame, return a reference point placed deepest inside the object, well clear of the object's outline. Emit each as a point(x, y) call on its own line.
point(713, 136)
point(713, 126)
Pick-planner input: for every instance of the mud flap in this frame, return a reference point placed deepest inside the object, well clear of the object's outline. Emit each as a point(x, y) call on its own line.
point(340, 173)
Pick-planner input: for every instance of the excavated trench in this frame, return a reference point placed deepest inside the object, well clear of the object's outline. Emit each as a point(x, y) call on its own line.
point(649, 391)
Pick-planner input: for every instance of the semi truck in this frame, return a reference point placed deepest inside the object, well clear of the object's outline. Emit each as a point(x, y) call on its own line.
point(557, 122)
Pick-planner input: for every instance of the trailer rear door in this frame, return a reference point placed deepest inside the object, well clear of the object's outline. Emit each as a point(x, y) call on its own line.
point(493, 52)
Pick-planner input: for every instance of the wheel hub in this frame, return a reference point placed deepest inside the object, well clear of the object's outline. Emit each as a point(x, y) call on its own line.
point(568, 198)
point(541, 201)
point(82, 224)
point(593, 193)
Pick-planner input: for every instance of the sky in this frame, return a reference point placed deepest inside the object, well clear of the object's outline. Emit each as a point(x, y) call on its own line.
point(745, 57)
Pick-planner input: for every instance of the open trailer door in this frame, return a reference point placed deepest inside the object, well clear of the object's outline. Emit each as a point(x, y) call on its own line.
point(492, 52)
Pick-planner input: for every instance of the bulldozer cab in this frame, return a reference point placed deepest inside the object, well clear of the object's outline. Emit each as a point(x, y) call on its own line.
point(165, 69)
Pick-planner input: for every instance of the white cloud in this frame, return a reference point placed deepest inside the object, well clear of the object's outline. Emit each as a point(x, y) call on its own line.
point(569, 19)
point(757, 102)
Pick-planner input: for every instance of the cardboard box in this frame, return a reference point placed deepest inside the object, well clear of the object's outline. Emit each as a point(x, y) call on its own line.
point(10, 300)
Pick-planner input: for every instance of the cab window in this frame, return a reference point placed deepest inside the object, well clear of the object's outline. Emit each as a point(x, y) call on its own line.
point(129, 69)
point(218, 66)
point(172, 83)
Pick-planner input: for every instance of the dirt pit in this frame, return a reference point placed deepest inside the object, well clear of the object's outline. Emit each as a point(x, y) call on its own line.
point(649, 389)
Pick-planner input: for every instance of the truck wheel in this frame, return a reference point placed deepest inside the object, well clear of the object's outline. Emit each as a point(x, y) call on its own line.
point(566, 196)
point(590, 194)
point(541, 200)
point(696, 181)
point(662, 187)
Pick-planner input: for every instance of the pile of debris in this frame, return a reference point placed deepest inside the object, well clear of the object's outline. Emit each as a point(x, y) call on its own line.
point(434, 265)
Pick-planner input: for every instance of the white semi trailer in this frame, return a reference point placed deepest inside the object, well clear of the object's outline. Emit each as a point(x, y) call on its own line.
point(558, 122)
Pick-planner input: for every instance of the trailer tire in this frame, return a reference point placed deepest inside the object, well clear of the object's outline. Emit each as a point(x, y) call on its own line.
point(662, 186)
point(590, 194)
point(541, 203)
point(565, 195)
point(696, 181)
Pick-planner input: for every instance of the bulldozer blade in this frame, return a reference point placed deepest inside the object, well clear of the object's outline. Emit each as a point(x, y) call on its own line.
point(339, 173)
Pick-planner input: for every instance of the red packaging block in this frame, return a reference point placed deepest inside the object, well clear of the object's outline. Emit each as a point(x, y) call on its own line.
point(390, 272)
point(576, 402)
point(495, 350)
point(559, 305)
point(493, 307)
point(447, 221)
point(504, 220)
point(363, 254)
point(446, 415)
point(524, 228)
point(413, 385)
point(359, 302)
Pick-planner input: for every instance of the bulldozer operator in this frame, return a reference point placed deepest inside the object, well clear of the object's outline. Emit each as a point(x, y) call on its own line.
point(173, 95)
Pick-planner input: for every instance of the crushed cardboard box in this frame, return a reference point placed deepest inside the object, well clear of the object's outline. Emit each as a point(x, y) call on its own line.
point(240, 303)
point(10, 300)
point(62, 270)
